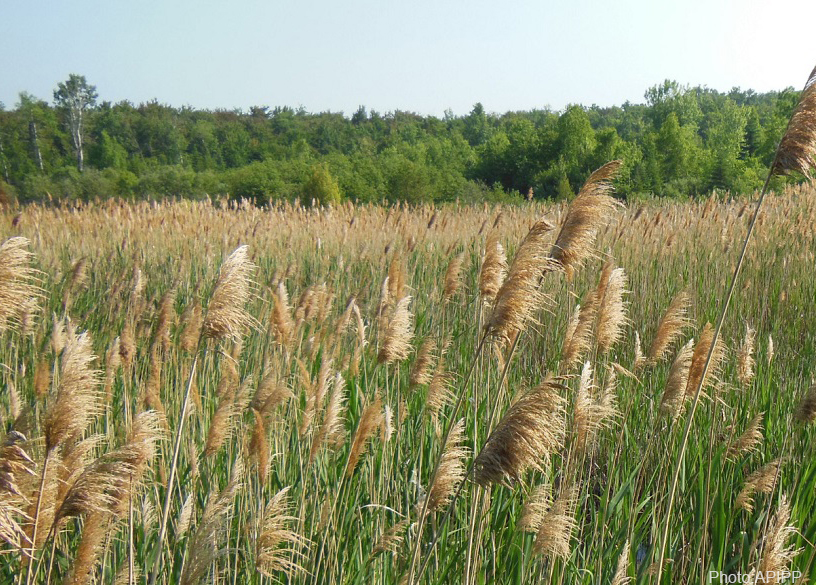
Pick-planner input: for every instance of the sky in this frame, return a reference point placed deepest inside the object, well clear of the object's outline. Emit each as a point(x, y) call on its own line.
point(424, 56)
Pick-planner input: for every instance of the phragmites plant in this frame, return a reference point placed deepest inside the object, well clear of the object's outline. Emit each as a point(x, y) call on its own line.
point(398, 334)
point(745, 357)
point(557, 525)
point(797, 150)
point(75, 401)
point(451, 468)
point(532, 428)
point(278, 548)
point(589, 211)
point(71, 409)
point(226, 316)
point(777, 553)
point(806, 412)
point(612, 308)
point(674, 394)
point(453, 277)
point(494, 268)
point(674, 321)
point(749, 440)
point(761, 481)
point(370, 422)
point(621, 576)
point(521, 296)
point(19, 290)
point(422, 370)
point(702, 366)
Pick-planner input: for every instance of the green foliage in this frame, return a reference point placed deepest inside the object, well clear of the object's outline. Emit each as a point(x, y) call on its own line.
point(108, 153)
point(563, 191)
point(259, 181)
point(682, 142)
point(322, 187)
point(176, 181)
point(8, 195)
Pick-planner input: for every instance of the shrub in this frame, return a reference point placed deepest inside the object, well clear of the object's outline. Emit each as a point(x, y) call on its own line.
point(259, 181)
point(322, 187)
point(169, 181)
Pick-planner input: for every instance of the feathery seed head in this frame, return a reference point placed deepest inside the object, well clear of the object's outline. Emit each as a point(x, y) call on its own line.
point(494, 269)
point(520, 295)
point(278, 548)
point(749, 440)
point(76, 401)
point(797, 150)
point(557, 526)
point(19, 291)
point(777, 554)
point(451, 470)
point(612, 310)
point(674, 321)
point(532, 428)
point(398, 335)
point(453, 276)
point(226, 316)
point(588, 212)
point(674, 395)
point(806, 411)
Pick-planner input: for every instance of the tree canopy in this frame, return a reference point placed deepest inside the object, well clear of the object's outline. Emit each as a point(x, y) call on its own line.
point(682, 141)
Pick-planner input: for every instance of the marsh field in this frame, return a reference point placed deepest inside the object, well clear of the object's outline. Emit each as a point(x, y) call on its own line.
point(454, 394)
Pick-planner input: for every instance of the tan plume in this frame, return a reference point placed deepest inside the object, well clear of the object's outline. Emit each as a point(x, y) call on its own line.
point(674, 395)
point(749, 440)
point(278, 548)
point(191, 320)
point(520, 295)
point(621, 573)
point(806, 411)
point(421, 373)
point(760, 481)
point(226, 315)
point(494, 268)
point(76, 401)
point(390, 540)
point(451, 470)
point(777, 554)
point(698, 361)
point(535, 508)
point(370, 421)
point(797, 150)
point(557, 525)
point(453, 277)
point(590, 210)
point(531, 428)
point(745, 357)
point(398, 335)
point(612, 310)
point(281, 324)
point(672, 324)
point(203, 547)
point(18, 282)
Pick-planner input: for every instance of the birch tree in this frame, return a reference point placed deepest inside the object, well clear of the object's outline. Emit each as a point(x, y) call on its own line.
point(75, 96)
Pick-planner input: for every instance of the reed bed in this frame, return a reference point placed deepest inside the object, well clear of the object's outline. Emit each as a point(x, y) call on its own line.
point(209, 392)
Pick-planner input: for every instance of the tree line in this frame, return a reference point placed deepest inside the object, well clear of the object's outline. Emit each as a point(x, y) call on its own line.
point(681, 142)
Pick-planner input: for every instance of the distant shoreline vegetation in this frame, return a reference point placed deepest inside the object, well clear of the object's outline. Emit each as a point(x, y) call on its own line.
point(682, 142)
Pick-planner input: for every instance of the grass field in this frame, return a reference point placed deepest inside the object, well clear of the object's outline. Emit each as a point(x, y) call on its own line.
point(325, 385)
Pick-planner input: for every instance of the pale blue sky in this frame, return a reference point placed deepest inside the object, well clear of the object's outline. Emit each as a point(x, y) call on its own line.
point(423, 56)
